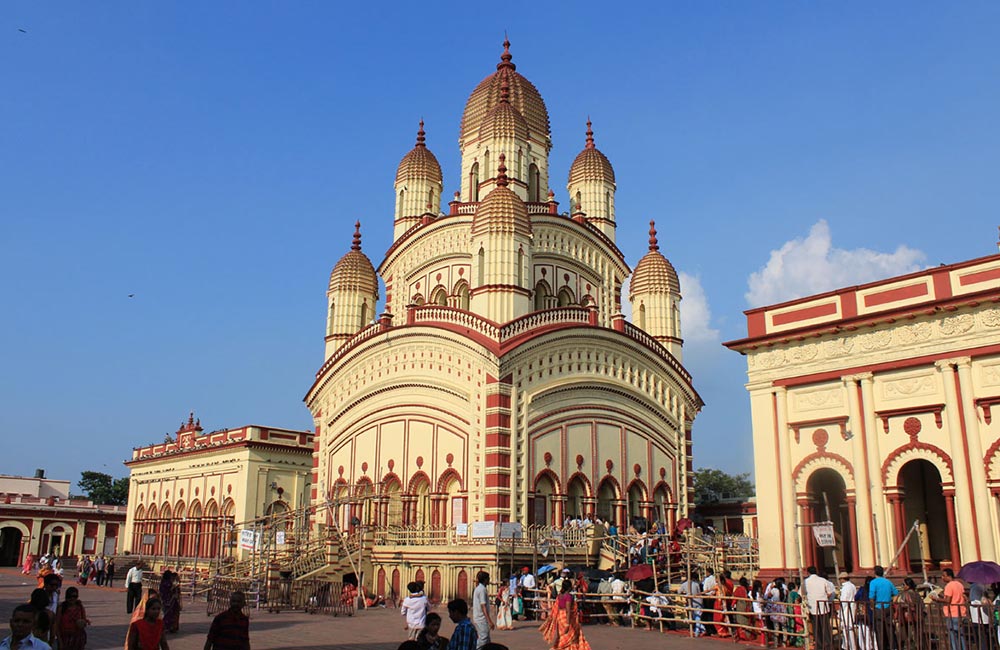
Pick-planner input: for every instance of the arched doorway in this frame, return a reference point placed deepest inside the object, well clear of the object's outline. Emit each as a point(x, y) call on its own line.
point(380, 582)
point(435, 592)
point(396, 584)
point(394, 503)
point(576, 492)
point(606, 495)
point(826, 482)
point(545, 489)
point(923, 500)
point(660, 500)
point(462, 586)
point(636, 496)
point(10, 546)
point(422, 504)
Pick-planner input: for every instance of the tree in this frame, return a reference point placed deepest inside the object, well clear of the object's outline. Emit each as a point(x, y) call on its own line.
point(103, 490)
point(712, 485)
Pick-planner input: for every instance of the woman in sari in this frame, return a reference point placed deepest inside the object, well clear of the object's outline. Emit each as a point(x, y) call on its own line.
point(504, 620)
point(740, 596)
point(139, 612)
point(795, 625)
point(43, 571)
point(170, 596)
point(562, 628)
point(71, 626)
point(29, 563)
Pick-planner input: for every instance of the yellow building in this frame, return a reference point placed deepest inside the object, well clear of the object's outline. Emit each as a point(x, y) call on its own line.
point(877, 400)
point(502, 382)
point(187, 493)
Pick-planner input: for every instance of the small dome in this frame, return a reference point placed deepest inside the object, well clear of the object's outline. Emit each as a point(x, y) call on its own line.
point(591, 164)
point(524, 97)
point(354, 272)
point(503, 120)
point(502, 210)
point(419, 163)
point(654, 273)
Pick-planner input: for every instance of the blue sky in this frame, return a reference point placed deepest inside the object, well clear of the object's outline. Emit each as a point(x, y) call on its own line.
point(211, 158)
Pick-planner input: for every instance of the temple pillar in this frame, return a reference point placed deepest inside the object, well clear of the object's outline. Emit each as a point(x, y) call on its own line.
point(949, 506)
point(852, 519)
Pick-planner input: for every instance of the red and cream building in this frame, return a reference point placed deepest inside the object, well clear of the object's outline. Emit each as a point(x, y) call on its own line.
point(188, 493)
point(501, 381)
point(881, 399)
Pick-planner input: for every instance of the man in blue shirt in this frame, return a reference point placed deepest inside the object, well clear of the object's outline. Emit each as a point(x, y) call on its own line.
point(464, 637)
point(881, 592)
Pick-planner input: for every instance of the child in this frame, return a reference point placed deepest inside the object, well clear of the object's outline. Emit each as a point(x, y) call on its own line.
point(414, 608)
point(429, 638)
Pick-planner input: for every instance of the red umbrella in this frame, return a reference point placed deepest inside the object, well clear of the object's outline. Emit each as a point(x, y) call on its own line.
point(639, 572)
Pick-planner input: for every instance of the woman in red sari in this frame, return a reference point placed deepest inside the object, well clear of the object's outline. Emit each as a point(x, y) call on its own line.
point(71, 622)
point(562, 628)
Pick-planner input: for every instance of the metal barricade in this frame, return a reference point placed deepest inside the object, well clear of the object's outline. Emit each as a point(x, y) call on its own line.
point(277, 594)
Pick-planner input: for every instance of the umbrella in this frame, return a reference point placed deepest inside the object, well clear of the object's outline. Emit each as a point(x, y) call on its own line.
point(981, 572)
point(639, 572)
point(542, 570)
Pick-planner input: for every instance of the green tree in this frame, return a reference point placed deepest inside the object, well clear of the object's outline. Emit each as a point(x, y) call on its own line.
point(104, 490)
point(712, 485)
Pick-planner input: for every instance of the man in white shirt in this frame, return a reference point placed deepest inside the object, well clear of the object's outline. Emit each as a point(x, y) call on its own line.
point(848, 591)
point(619, 596)
point(133, 582)
point(818, 592)
point(22, 620)
point(692, 588)
point(708, 589)
point(481, 618)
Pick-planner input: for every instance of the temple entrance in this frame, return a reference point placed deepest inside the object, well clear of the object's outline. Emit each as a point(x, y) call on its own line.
point(923, 500)
point(542, 504)
point(10, 546)
point(394, 503)
point(576, 492)
point(828, 482)
point(605, 501)
point(636, 495)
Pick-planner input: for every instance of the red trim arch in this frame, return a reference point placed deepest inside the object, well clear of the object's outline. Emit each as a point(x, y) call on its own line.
point(913, 451)
point(614, 482)
point(819, 460)
point(390, 476)
point(991, 459)
point(552, 476)
point(665, 486)
point(445, 478)
point(359, 485)
point(415, 479)
point(642, 486)
point(588, 488)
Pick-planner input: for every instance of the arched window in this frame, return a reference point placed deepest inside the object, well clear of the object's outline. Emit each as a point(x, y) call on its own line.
point(607, 204)
point(542, 295)
point(462, 294)
point(641, 316)
point(329, 322)
point(578, 203)
point(486, 164)
point(365, 314)
point(417, 300)
point(519, 169)
point(394, 495)
point(430, 199)
point(439, 296)
point(534, 180)
point(520, 267)
point(482, 266)
point(566, 297)
point(474, 182)
point(399, 205)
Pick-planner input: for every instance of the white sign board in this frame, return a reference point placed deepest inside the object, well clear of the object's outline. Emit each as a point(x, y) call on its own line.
point(247, 539)
point(824, 535)
point(482, 529)
point(511, 530)
point(148, 540)
point(279, 537)
point(461, 530)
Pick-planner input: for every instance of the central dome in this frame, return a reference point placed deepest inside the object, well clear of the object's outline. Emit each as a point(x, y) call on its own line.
point(523, 96)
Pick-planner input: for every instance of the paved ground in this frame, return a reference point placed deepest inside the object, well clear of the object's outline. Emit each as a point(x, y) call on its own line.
point(378, 629)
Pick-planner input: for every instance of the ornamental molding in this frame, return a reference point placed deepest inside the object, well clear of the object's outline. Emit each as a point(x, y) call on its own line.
point(915, 450)
point(909, 387)
point(987, 403)
point(821, 399)
point(820, 460)
point(840, 422)
point(887, 414)
point(899, 340)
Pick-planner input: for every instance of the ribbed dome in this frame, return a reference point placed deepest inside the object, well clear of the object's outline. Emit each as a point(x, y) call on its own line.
point(654, 273)
point(502, 210)
point(591, 164)
point(419, 163)
point(524, 97)
point(503, 120)
point(354, 272)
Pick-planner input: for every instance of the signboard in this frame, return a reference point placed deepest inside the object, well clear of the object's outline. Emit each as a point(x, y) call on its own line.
point(148, 540)
point(824, 534)
point(461, 530)
point(247, 539)
point(279, 537)
point(482, 529)
point(511, 530)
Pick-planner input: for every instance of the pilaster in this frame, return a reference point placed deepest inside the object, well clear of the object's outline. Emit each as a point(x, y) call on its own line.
point(863, 537)
point(972, 456)
point(965, 515)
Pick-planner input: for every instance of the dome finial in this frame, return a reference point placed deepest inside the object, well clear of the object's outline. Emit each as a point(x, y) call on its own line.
point(505, 58)
point(421, 136)
point(504, 91)
point(654, 245)
point(356, 244)
point(590, 134)
point(502, 172)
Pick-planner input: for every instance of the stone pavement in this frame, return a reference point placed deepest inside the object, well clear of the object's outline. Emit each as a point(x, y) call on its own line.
point(378, 629)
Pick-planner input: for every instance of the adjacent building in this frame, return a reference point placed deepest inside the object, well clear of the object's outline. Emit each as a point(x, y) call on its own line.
point(188, 493)
point(874, 407)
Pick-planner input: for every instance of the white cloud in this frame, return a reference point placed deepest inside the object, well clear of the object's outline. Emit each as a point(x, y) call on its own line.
point(696, 315)
point(802, 267)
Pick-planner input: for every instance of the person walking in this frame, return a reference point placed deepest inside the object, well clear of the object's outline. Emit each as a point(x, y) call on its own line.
point(100, 564)
point(881, 592)
point(22, 620)
point(230, 630)
point(481, 609)
point(562, 628)
point(504, 619)
point(464, 637)
point(147, 632)
point(170, 596)
point(72, 622)
point(818, 592)
point(414, 609)
point(109, 573)
point(133, 583)
point(955, 609)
